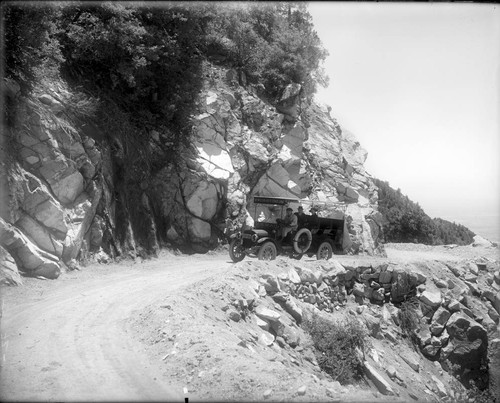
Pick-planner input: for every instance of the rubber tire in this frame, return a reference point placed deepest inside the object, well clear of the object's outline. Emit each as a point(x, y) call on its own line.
point(300, 233)
point(325, 251)
point(235, 255)
point(297, 256)
point(267, 251)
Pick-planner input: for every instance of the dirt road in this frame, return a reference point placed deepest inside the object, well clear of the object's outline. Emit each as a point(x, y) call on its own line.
point(74, 338)
point(68, 339)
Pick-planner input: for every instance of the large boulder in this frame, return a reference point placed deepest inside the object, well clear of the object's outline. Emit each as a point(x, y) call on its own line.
point(35, 199)
point(431, 299)
point(439, 320)
point(40, 235)
point(308, 276)
point(289, 101)
point(401, 286)
point(63, 177)
point(468, 342)
point(31, 260)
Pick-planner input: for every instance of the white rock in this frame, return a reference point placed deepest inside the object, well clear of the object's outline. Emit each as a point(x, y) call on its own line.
point(440, 387)
point(266, 338)
point(382, 385)
point(267, 314)
point(261, 323)
point(412, 361)
point(308, 276)
point(293, 276)
point(480, 241)
point(430, 298)
point(302, 390)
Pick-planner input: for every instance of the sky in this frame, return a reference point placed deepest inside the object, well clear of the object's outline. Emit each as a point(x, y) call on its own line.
point(418, 84)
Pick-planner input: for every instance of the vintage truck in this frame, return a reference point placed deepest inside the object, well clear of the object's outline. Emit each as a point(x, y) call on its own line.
point(318, 236)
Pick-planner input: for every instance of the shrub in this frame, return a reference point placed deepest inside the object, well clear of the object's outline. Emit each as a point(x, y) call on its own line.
point(409, 318)
point(339, 347)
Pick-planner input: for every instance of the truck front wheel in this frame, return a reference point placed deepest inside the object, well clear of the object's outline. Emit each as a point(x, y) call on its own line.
point(236, 251)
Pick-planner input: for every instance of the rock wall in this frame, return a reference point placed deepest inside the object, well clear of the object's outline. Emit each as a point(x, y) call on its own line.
point(49, 189)
point(72, 190)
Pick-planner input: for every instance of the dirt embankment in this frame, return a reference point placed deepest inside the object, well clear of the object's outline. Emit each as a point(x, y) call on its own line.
point(165, 330)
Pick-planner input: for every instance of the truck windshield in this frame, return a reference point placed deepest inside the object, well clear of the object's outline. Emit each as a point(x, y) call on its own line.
point(267, 212)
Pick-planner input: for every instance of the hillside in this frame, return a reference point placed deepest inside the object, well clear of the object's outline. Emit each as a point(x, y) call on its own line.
point(406, 221)
point(203, 328)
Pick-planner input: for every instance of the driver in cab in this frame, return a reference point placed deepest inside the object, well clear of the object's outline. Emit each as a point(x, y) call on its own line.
point(290, 223)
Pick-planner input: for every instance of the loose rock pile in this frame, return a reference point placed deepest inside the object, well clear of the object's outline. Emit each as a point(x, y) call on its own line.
point(329, 290)
point(456, 316)
point(460, 319)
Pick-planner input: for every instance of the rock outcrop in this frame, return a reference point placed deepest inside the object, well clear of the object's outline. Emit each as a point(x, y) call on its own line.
point(244, 147)
point(71, 187)
point(48, 185)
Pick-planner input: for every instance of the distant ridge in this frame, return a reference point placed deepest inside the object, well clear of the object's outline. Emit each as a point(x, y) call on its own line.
point(406, 221)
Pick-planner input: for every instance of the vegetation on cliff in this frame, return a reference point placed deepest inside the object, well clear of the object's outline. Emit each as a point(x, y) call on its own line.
point(406, 221)
point(147, 59)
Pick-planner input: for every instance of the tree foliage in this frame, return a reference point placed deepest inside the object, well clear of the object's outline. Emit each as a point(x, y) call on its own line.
point(30, 42)
point(407, 221)
point(147, 56)
point(273, 43)
point(146, 59)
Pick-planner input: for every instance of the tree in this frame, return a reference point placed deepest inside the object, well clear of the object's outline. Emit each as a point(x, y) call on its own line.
point(30, 48)
point(407, 221)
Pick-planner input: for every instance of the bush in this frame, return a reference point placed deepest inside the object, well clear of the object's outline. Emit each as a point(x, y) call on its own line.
point(409, 318)
point(338, 347)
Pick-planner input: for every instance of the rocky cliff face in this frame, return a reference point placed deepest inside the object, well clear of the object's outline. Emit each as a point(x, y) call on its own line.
point(66, 191)
point(242, 147)
point(49, 192)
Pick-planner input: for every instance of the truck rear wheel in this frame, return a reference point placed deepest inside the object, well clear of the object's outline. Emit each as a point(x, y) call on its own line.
point(236, 251)
point(267, 251)
point(325, 251)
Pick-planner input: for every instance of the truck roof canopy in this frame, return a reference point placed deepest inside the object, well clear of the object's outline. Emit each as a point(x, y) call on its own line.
point(274, 200)
point(286, 200)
